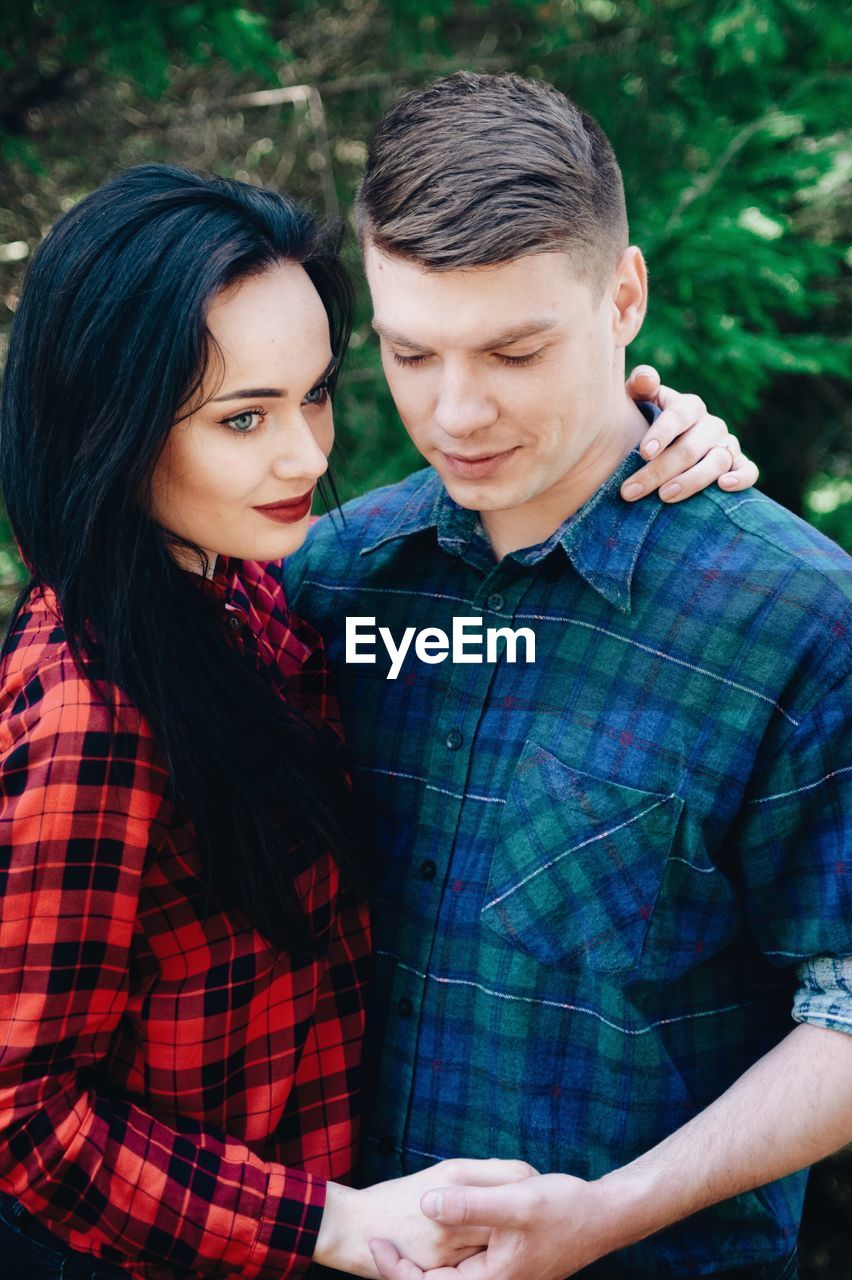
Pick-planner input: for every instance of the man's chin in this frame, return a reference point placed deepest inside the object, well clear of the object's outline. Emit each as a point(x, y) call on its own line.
point(479, 495)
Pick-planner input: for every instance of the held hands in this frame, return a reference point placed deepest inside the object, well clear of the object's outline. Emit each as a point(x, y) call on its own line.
point(391, 1210)
point(693, 448)
point(541, 1228)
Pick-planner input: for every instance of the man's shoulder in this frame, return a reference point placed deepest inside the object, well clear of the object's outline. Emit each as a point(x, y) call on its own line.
point(743, 564)
point(776, 526)
point(752, 532)
point(368, 517)
point(340, 536)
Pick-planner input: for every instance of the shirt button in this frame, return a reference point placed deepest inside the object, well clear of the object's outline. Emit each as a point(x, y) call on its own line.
point(405, 1007)
point(495, 602)
point(386, 1146)
point(428, 869)
point(454, 739)
point(234, 622)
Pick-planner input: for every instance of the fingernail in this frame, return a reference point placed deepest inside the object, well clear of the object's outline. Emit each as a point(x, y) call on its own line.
point(432, 1204)
point(728, 481)
point(670, 490)
point(632, 489)
point(651, 448)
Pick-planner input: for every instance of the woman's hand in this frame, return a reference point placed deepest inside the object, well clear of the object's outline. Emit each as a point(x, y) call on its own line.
point(391, 1211)
point(690, 448)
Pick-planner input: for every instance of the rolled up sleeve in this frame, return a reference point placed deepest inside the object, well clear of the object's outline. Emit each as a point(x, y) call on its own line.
point(824, 994)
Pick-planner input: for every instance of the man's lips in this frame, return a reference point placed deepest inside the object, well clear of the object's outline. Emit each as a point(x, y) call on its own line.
point(290, 509)
point(478, 466)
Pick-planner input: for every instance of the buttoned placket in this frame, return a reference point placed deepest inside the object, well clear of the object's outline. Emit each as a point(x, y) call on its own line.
point(237, 624)
point(497, 597)
point(495, 592)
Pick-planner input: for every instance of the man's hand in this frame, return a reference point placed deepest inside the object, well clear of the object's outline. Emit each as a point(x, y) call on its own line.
point(791, 1108)
point(543, 1228)
point(690, 448)
point(352, 1218)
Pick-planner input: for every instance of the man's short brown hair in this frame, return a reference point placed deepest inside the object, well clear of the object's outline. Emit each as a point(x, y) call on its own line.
point(481, 169)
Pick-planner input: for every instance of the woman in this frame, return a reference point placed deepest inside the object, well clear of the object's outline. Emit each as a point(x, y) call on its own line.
point(183, 940)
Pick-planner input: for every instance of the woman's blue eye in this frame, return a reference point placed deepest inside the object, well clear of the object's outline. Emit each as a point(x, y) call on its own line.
point(242, 423)
point(317, 395)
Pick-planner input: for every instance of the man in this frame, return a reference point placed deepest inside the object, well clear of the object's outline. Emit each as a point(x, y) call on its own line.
point(614, 911)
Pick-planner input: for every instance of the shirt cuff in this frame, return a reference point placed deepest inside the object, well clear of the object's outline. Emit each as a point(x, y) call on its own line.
point(287, 1232)
point(824, 994)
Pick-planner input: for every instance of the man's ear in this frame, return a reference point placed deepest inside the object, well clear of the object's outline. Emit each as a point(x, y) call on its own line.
point(629, 296)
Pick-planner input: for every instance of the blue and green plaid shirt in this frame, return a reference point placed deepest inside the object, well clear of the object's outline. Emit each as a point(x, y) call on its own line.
point(600, 872)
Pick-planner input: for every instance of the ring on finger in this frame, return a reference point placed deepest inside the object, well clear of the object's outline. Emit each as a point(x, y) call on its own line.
point(732, 445)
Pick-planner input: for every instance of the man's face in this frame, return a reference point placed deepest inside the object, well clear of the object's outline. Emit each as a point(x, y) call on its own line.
point(506, 377)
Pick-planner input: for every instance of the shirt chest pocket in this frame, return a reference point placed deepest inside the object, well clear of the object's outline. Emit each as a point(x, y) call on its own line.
point(578, 866)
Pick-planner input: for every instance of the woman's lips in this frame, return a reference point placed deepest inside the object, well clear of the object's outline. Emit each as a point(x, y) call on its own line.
point(478, 468)
point(290, 510)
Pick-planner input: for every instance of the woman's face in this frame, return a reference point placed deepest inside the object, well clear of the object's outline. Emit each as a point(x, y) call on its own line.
point(238, 470)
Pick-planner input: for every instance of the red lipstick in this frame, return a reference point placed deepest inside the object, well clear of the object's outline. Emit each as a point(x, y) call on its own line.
point(290, 510)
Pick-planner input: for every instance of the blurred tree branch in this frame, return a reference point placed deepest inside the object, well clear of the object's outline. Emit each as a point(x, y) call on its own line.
point(727, 116)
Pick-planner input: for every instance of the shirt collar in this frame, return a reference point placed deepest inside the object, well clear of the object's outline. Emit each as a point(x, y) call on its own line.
point(248, 594)
point(602, 540)
point(218, 585)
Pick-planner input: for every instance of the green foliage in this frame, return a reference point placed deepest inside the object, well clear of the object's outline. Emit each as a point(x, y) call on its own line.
point(12, 572)
point(723, 117)
point(726, 116)
point(828, 505)
point(47, 42)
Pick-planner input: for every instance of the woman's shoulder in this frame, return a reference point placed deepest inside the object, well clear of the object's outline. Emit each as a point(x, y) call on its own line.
point(78, 762)
point(42, 685)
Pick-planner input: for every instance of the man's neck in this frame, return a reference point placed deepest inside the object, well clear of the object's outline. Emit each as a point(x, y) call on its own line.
point(533, 523)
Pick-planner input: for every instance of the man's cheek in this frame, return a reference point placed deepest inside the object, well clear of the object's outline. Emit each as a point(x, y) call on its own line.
point(405, 401)
point(416, 427)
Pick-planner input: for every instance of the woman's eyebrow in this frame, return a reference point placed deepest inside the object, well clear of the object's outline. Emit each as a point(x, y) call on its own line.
point(253, 393)
point(272, 393)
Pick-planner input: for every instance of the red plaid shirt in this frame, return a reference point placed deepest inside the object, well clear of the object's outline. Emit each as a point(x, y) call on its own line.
point(173, 1093)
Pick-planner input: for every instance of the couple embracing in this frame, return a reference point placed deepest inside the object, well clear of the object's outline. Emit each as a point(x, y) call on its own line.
point(593, 910)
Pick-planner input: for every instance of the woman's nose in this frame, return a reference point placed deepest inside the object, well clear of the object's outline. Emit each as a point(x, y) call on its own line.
point(298, 452)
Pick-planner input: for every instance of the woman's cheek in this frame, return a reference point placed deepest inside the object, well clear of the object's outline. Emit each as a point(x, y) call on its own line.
point(324, 433)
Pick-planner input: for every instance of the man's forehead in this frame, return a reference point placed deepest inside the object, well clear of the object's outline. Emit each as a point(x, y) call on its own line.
point(379, 265)
point(491, 305)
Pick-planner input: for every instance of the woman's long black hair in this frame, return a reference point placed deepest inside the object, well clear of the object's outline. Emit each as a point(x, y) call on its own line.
point(109, 340)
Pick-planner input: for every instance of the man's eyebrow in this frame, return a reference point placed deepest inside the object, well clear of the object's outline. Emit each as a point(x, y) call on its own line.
point(273, 393)
point(539, 325)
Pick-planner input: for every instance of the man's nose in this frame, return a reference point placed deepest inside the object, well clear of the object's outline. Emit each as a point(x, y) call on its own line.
point(463, 408)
